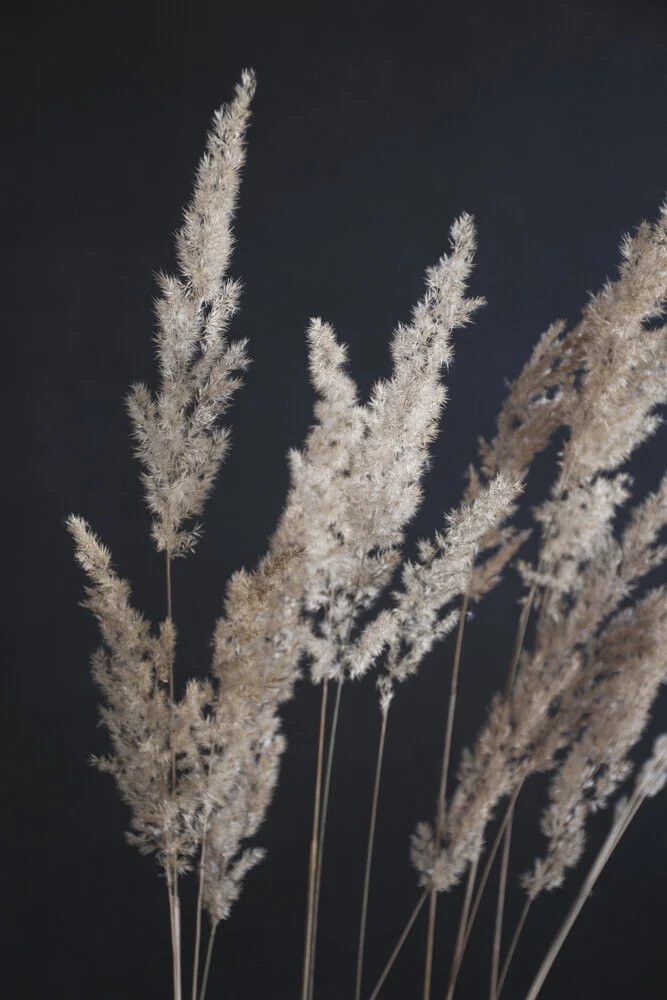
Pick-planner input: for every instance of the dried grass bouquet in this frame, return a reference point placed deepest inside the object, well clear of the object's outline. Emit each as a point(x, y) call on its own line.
point(198, 771)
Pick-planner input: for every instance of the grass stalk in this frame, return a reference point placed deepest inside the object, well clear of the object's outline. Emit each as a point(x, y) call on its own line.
point(312, 868)
point(399, 944)
point(200, 896)
point(209, 953)
point(369, 854)
point(465, 926)
point(618, 829)
point(500, 906)
point(172, 875)
point(442, 792)
point(514, 942)
point(320, 840)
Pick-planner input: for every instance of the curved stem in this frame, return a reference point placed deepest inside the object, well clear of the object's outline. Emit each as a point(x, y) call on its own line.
point(369, 854)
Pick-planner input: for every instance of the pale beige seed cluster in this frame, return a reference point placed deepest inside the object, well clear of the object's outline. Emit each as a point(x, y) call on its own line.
point(198, 771)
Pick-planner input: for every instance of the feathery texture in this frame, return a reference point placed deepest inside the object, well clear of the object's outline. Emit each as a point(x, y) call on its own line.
point(356, 483)
point(179, 440)
point(583, 694)
point(198, 773)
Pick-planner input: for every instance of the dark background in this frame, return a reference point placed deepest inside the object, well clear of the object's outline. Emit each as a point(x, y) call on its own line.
point(374, 125)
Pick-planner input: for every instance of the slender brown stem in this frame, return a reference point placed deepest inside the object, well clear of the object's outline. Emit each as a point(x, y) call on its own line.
point(312, 868)
point(515, 941)
point(451, 709)
point(460, 936)
point(467, 900)
point(500, 906)
point(172, 872)
point(209, 953)
point(177, 925)
point(459, 953)
point(200, 895)
point(399, 944)
point(174, 925)
point(442, 792)
point(320, 840)
point(369, 854)
point(314, 906)
point(615, 834)
point(519, 639)
point(488, 866)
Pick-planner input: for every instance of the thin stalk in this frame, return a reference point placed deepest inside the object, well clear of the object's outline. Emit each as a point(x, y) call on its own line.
point(200, 896)
point(465, 936)
point(369, 854)
point(466, 922)
point(500, 907)
point(312, 868)
point(519, 638)
point(174, 926)
point(465, 909)
point(515, 941)
point(615, 834)
point(322, 831)
point(496, 985)
point(172, 874)
point(444, 770)
point(460, 936)
point(209, 953)
point(399, 944)
point(315, 903)
point(177, 926)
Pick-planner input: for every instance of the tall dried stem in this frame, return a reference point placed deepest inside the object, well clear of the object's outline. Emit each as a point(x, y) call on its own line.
point(399, 944)
point(500, 906)
point(312, 869)
point(446, 754)
point(619, 827)
point(513, 944)
point(320, 840)
point(466, 923)
point(369, 852)
point(200, 895)
point(172, 881)
point(209, 954)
